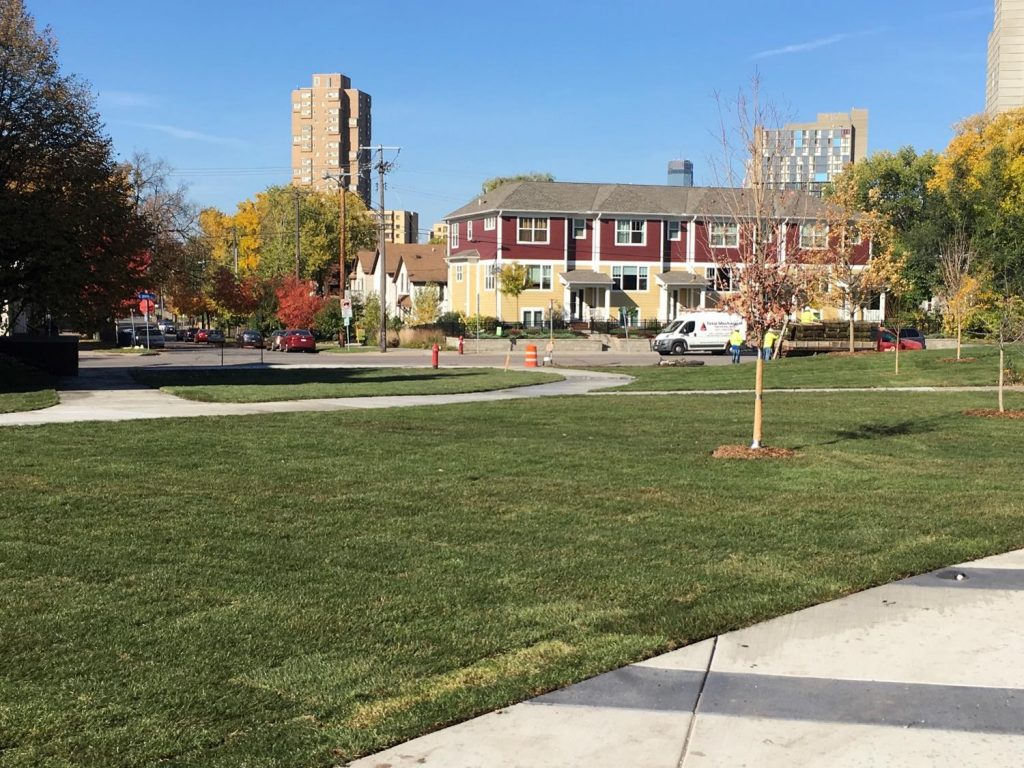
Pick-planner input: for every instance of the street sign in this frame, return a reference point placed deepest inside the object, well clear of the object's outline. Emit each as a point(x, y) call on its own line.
point(346, 309)
point(146, 295)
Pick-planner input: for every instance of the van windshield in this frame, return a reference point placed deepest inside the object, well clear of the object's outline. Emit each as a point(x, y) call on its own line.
point(674, 326)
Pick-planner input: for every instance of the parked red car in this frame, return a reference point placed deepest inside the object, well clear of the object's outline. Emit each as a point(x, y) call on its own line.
point(887, 341)
point(298, 340)
point(202, 335)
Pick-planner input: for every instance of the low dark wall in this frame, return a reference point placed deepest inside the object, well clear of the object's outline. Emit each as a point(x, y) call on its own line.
point(57, 355)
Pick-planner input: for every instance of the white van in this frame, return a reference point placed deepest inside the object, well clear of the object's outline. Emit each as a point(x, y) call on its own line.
point(698, 332)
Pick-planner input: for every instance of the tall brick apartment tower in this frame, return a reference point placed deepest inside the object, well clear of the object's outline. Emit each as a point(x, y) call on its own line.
point(330, 122)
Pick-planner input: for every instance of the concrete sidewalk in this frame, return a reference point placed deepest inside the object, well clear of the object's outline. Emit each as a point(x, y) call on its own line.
point(112, 395)
point(923, 672)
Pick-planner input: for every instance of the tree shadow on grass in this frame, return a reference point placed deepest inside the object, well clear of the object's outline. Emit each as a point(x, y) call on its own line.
point(875, 431)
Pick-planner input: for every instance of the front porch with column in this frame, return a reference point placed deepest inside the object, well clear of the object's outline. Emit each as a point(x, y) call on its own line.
point(680, 290)
point(587, 295)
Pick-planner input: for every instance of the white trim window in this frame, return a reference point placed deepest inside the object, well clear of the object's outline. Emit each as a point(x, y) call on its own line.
point(629, 278)
point(458, 273)
point(724, 234)
point(489, 272)
point(538, 277)
point(675, 231)
point(469, 230)
point(579, 229)
point(630, 231)
point(719, 279)
point(532, 230)
point(814, 237)
point(490, 223)
point(533, 318)
point(453, 235)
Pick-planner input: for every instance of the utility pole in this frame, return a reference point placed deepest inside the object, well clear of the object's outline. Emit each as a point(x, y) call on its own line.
point(234, 247)
point(298, 247)
point(382, 168)
point(342, 238)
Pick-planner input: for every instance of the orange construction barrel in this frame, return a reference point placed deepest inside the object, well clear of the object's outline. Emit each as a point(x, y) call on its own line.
point(531, 356)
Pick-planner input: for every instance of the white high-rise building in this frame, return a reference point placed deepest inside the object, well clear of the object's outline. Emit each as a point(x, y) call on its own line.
point(808, 156)
point(1004, 88)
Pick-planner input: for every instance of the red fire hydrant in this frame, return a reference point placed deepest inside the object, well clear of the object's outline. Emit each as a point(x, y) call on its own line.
point(461, 346)
point(434, 355)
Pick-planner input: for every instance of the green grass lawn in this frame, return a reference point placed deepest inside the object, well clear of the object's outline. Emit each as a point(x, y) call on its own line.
point(257, 385)
point(300, 589)
point(331, 347)
point(869, 369)
point(23, 388)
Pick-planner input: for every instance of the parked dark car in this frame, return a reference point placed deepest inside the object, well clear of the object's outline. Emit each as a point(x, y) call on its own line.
point(913, 334)
point(138, 336)
point(298, 340)
point(168, 329)
point(189, 334)
point(215, 336)
point(249, 338)
point(274, 340)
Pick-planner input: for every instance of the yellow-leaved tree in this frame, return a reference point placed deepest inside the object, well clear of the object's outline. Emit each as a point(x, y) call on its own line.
point(856, 239)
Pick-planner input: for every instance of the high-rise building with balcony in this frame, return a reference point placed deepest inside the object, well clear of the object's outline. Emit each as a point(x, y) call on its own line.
point(807, 156)
point(680, 173)
point(1004, 87)
point(330, 122)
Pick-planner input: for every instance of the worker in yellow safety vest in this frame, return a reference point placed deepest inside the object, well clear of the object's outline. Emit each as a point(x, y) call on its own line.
point(768, 345)
point(736, 340)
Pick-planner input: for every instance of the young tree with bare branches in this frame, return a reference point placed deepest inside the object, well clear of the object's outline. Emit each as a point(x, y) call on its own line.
point(850, 237)
point(767, 268)
point(959, 287)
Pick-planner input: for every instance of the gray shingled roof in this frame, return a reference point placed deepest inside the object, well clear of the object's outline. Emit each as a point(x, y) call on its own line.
point(571, 197)
point(585, 278)
point(682, 278)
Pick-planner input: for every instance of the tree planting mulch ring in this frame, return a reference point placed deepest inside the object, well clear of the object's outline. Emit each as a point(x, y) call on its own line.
point(961, 360)
point(746, 452)
point(994, 413)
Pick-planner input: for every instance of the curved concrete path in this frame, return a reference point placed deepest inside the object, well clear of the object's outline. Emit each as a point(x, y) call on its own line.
point(112, 395)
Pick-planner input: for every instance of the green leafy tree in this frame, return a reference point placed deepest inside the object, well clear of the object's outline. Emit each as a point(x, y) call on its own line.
point(370, 317)
point(496, 181)
point(426, 305)
point(512, 281)
point(898, 185)
point(330, 321)
point(73, 248)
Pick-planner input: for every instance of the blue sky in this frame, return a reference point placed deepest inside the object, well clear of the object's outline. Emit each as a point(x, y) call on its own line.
point(602, 91)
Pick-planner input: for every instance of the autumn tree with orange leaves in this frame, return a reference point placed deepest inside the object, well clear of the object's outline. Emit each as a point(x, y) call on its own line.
point(298, 302)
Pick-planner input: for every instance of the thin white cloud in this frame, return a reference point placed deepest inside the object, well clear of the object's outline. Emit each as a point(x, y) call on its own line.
point(188, 135)
point(127, 99)
point(801, 47)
